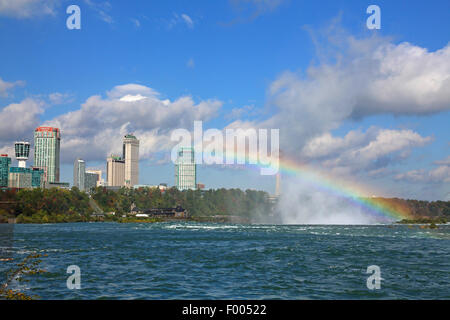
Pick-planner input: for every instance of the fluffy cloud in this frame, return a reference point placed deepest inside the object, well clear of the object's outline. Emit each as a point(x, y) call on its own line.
point(19, 121)
point(6, 86)
point(436, 175)
point(371, 151)
point(97, 128)
point(27, 8)
point(440, 174)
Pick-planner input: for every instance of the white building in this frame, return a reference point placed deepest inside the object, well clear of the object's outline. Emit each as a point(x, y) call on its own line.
point(79, 176)
point(115, 171)
point(131, 158)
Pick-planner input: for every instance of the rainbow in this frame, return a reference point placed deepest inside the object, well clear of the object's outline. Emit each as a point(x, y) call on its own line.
point(381, 209)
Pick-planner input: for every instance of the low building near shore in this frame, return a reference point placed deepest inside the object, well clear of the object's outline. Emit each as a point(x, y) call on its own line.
point(177, 212)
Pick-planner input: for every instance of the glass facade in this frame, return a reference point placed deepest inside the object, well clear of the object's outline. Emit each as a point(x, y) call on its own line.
point(37, 178)
point(186, 169)
point(46, 151)
point(20, 177)
point(91, 180)
point(5, 163)
point(79, 170)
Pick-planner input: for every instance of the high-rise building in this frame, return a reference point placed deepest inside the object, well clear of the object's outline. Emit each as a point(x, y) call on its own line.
point(115, 171)
point(22, 150)
point(46, 152)
point(91, 178)
point(185, 169)
point(131, 158)
point(79, 170)
point(5, 163)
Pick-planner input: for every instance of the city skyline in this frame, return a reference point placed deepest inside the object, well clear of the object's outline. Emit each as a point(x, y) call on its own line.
point(365, 106)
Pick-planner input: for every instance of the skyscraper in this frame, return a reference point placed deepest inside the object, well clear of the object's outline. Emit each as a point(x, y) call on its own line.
point(115, 171)
point(79, 170)
point(186, 169)
point(46, 152)
point(131, 158)
point(5, 163)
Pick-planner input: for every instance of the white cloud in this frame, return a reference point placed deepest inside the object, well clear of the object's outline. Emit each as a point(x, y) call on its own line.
point(237, 113)
point(19, 120)
point(180, 18)
point(60, 98)
point(6, 86)
point(436, 175)
point(364, 78)
point(187, 20)
point(131, 89)
point(444, 162)
point(97, 128)
point(27, 8)
point(440, 174)
point(371, 151)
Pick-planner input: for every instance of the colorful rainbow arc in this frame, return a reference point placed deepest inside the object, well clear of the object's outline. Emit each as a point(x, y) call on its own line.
point(382, 210)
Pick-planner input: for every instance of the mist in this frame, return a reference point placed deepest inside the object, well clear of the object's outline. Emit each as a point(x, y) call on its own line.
point(305, 203)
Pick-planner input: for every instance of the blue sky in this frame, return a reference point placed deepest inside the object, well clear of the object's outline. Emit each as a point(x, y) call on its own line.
point(231, 52)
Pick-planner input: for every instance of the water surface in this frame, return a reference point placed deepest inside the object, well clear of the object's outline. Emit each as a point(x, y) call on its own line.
point(226, 261)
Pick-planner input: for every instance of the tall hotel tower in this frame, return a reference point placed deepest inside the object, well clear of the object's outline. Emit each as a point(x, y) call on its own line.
point(131, 157)
point(46, 152)
point(186, 169)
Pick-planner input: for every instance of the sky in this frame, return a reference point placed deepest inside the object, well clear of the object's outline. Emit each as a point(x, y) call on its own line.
point(366, 105)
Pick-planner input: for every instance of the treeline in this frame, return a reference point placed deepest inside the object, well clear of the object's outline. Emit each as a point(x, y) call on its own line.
point(198, 202)
point(44, 205)
point(418, 208)
point(59, 205)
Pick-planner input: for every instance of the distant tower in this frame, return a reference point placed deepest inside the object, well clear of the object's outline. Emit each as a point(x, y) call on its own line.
point(22, 150)
point(79, 170)
point(47, 142)
point(131, 158)
point(186, 169)
point(278, 185)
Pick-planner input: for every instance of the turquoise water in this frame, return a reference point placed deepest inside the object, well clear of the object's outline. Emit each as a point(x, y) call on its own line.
point(226, 261)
